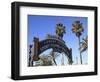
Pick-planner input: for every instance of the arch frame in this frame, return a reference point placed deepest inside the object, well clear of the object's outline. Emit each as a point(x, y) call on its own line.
point(56, 44)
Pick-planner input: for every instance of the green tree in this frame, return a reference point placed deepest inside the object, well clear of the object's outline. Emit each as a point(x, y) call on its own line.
point(77, 28)
point(60, 30)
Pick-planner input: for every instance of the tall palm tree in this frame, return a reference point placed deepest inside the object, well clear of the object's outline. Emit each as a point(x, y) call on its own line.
point(77, 28)
point(84, 44)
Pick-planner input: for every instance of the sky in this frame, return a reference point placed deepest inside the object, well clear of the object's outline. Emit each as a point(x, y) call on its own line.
point(39, 26)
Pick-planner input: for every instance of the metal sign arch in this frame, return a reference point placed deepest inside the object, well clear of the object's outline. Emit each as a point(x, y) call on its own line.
point(56, 44)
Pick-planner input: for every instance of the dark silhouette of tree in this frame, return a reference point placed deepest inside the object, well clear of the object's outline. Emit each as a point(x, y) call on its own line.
point(60, 30)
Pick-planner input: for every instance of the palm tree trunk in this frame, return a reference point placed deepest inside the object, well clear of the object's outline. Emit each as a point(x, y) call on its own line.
point(79, 50)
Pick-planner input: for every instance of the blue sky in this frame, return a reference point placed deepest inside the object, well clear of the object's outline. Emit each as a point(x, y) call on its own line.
point(39, 26)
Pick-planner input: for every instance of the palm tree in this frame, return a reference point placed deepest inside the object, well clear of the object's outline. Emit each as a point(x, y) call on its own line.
point(78, 29)
point(84, 44)
point(60, 30)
